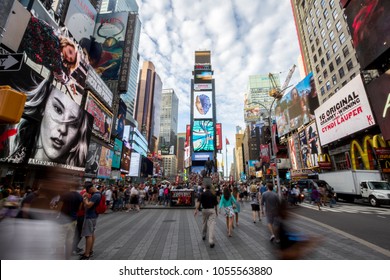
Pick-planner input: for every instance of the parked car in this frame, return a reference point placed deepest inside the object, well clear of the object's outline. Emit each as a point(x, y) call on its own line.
point(306, 185)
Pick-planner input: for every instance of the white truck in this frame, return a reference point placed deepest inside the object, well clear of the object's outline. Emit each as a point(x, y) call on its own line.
point(359, 184)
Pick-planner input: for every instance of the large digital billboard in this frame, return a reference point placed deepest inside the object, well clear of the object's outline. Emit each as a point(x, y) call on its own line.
point(203, 105)
point(203, 135)
point(80, 19)
point(116, 158)
point(102, 123)
point(93, 158)
point(203, 76)
point(53, 131)
point(296, 108)
point(105, 163)
point(344, 113)
point(369, 22)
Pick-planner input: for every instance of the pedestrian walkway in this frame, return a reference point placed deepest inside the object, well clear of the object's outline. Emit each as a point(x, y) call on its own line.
point(175, 234)
point(349, 208)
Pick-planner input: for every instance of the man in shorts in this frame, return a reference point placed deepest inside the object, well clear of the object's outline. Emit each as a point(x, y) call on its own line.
point(89, 226)
point(270, 200)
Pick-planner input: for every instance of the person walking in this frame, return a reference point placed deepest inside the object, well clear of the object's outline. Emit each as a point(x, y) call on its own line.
point(91, 217)
point(209, 203)
point(270, 200)
point(255, 203)
point(237, 209)
point(228, 203)
point(316, 197)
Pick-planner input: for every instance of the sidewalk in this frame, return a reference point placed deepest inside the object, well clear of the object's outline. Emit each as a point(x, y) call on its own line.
point(168, 233)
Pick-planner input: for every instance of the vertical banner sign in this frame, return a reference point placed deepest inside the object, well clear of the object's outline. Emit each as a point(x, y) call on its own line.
point(293, 154)
point(105, 163)
point(188, 133)
point(218, 128)
point(116, 159)
point(125, 160)
point(103, 118)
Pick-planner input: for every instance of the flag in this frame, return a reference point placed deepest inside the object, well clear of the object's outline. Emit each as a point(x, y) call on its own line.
point(227, 142)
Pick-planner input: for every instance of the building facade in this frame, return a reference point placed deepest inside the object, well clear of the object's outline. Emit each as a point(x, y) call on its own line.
point(168, 124)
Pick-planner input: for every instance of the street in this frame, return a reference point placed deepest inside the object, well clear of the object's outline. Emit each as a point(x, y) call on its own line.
point(174, 234)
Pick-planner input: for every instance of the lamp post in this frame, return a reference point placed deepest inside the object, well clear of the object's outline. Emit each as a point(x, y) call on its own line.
point(273, 144)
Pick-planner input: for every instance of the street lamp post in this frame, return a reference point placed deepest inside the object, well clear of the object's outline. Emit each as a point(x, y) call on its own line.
point(273, 144)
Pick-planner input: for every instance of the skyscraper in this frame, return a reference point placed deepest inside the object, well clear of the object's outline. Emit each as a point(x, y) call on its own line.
point(326, 44)
point(168, 124)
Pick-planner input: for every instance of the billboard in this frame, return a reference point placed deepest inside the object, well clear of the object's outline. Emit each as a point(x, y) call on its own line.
point(203, 135)
point(93, 158)
point(125, 159)
point(99, 88)
point(120, 121)
point(203, 76)
point(378, 92)
point(102, 117)
point(203, 105)
point(344, 113)
point(202, 156)
point(296, 108)
point(53, 131)
point(80, 19)
point(116, 158)
point(293, 153)
point(218, 140)
point(105, 163)
point(252, 113)
point(203, 86)
point(135, 162)
point(369, 22)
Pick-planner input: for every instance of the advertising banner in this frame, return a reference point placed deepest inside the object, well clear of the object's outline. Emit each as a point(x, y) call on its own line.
point(218, 129)
point(200, 87)
point(296, 108)
point(265, 153)
point(203, 105)
point(203, 77)
point(106, 47)
point(102, 118)
point(293, 153)
point(135, 162)
point(180, 198)
point(116, 159)
point(80, 19)
point(105, 163)
point(120, 120)
point(188, 134)
point(369, 22)
point(93, 158)
point(252, 113)
point(344, 113)
point(53, 131)
point(378, 92)
point(252, 164)
point(98, 87)
point(202, 156)
point(125, 159)
point(203, 135)
point(383, 155)
point(313, 145)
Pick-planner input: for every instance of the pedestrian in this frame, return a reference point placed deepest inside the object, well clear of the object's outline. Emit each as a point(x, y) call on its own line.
point(79, 226)
point(208, 202)
point(89, 226)
point(134, 198)
point(316, 197)
point(255, 203)
point(270, 200)
point(108, 194)
point(237, 209)
point(228, 203)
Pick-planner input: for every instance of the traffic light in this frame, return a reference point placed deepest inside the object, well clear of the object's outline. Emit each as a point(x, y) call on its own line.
point(11, 105)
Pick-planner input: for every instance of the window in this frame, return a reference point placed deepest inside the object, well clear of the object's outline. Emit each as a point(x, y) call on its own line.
point(342, 38)
point(325, 13)
point(309, 29)
point(331, 3)
point(344, 83)
point(320, 22)
point(322, 91)
point(327, 85)
point(331, 35)
point(312, 48)
point(322, 33)
point(338, 26)
point(328, 55)
point(349, 64)
point(328, 23)
point(341, 72)
point(311, 12)
point(320, 79)
point(319, 51)
point(315, 3)
point(317, 68)
point(345, 51)
point(315, 58)
point(336, 89)
point(331, 67)
point(325, 73)
point(307, 21)
point(353, 76)
point(335, 47)
point(326, 45)
point(338, 60)
point(322, 3)
point(317, 12)
point(312, 21)
point(311, 38)
point(315, 31)
point(334, 79)
point(317, 41)
point(335, 14)
point(322, 62)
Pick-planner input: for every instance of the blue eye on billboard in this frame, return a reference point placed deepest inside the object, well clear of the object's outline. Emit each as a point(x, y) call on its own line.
point(203, 135)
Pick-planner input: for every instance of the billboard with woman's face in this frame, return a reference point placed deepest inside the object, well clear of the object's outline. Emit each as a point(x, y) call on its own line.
point(53, 131)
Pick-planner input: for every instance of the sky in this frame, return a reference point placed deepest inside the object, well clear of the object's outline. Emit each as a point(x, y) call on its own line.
point(245, 37)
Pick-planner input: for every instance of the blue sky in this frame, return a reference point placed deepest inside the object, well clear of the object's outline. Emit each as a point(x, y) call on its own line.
point(245, 37)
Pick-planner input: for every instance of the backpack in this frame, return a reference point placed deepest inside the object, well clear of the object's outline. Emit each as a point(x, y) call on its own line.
point(101, 207)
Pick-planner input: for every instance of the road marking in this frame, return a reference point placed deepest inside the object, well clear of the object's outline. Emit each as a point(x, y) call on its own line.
point(350, 236)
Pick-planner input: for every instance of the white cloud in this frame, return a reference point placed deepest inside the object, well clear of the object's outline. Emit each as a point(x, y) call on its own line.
point(245, 38)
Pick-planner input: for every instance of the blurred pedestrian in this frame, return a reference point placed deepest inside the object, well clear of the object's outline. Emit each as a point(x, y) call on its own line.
point(270, 201)
point(228, 203)
point(237, 209)
point(255, 203)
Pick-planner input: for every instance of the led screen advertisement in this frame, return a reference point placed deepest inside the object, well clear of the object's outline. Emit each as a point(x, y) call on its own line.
point(203, 105)
point(296, 108)
point(203, 135)
point(116, 158)
point(313, 145)
point(218, 129)
point(93, 158)
point(105, 163)
point(203, 76)
point(80, 19)
point(53, 131)
point(344, 113)
point(369, 22)
point(102, 118)
point(379, 96)
point(125, 159)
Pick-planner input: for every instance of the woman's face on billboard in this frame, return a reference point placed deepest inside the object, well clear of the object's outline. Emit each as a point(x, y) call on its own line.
point(59, 127)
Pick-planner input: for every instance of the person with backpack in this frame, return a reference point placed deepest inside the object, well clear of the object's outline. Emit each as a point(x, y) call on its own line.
point(91, 216)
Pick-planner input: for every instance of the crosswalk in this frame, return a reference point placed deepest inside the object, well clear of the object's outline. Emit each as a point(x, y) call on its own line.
point(350, 208)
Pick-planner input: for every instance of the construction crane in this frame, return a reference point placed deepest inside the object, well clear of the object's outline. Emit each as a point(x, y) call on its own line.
point(275, 91)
